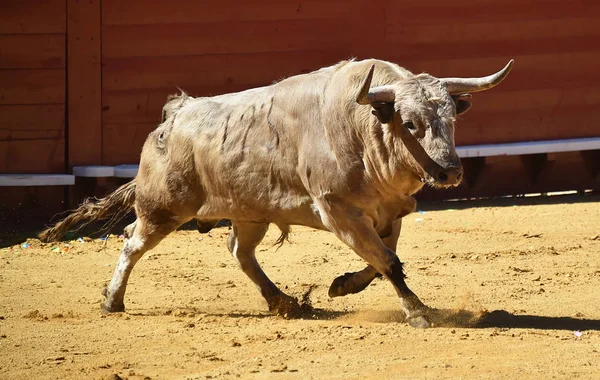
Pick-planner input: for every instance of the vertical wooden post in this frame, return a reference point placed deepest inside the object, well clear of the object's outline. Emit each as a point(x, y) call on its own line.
point(84, 78)
point(84, 92)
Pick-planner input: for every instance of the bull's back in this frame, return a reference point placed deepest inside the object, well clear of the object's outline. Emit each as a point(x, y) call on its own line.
point(238, 152)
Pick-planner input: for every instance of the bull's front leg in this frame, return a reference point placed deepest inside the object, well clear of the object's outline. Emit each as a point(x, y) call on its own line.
point(355, 282)
point(355, 229)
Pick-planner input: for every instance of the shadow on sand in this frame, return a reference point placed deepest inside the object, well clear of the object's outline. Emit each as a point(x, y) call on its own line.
point(502, 318)
point(190, 312)
point(484, 319)
point(438, 317)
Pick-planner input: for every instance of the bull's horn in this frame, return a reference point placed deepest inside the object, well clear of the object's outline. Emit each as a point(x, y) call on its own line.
point(467, 85)
point(368, 95)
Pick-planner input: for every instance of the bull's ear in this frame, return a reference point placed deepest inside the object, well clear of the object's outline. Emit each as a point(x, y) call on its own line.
point(462, 106)
point(384, 111)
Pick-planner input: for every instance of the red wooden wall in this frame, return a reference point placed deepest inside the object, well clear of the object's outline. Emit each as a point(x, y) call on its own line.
point(83, 82)
point(212, 47)
point(32, 86)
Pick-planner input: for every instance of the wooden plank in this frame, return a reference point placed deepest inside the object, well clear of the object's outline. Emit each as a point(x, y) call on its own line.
point(507, 126)
point(38, 86)
point(122, 143)
point(144, 106)
point(523, 31)
point(497, 48)
point(529, 147)
point(19, 180)
point(545, 100)
point(224, 37)
point(530, 71)
point(19, 122)
point(440, 11)
point(137, 12)
point(85, 91)
point(32, 156)
point(32, 51)
point(208, 70)
point(32, 16)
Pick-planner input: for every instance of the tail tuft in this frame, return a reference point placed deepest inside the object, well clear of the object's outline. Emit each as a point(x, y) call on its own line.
point(115, 206)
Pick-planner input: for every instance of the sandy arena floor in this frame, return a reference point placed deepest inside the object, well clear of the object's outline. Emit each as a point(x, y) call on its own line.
point(192, 314)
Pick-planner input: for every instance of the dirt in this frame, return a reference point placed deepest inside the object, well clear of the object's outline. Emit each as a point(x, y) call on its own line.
point(517, 281)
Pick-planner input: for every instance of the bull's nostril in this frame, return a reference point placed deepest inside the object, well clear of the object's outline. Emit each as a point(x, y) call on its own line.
point(443, 177)
point(459, 177)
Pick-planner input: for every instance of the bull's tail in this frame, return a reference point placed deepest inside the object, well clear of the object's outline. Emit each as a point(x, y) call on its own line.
point(115, 206)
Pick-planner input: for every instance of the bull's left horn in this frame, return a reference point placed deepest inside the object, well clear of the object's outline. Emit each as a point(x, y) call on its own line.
point(466, 85)
point(368, 95)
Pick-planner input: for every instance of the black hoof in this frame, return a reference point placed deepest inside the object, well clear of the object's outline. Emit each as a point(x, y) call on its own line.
point(344, 285)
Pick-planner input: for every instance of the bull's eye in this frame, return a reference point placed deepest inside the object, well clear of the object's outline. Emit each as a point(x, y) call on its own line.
point(409, 125)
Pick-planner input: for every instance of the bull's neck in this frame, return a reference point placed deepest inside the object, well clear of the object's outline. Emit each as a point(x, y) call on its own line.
point(387, 161)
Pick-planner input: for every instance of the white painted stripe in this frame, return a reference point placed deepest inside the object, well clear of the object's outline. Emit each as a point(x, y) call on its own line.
point(36, 179)
point(126, 171)
point(94, 171)
point(533, 147)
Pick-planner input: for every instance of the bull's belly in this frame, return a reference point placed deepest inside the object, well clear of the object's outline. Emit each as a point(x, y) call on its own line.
point(290, 210)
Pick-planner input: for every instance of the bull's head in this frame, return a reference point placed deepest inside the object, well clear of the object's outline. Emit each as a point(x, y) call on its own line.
point(422, 109)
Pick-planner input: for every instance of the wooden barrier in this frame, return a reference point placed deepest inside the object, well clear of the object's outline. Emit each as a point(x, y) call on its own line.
point(82, 83)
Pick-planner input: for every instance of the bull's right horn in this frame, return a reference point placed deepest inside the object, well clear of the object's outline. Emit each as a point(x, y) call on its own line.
point(368, 95)
point(456, 86)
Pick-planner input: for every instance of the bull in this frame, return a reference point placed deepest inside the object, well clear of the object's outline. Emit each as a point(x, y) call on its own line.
point(341, 149)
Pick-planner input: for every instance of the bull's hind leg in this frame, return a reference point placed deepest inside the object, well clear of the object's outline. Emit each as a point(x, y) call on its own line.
point(143, 235)
point(242, 242)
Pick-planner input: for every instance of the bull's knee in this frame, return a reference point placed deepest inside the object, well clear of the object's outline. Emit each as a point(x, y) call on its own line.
point(129, 230)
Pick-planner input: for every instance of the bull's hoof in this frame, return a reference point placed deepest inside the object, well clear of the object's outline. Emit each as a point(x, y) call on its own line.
point(338, 286)
point(344, 285)
point(419, 322)
point(285, 306)
point(109, 309)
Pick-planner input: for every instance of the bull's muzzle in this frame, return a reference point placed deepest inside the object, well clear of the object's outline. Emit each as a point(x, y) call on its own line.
point(450, 177)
